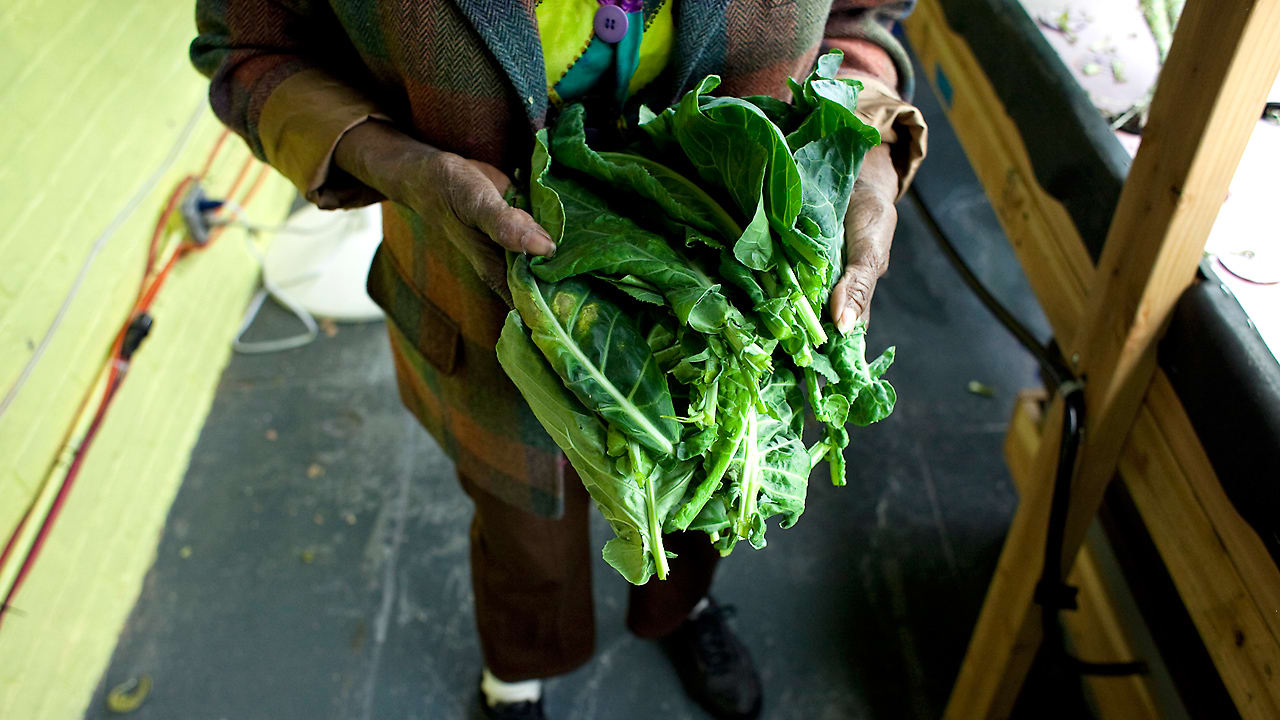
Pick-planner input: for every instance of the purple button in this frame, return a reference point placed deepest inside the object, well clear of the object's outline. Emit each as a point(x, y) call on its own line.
point(611, 23)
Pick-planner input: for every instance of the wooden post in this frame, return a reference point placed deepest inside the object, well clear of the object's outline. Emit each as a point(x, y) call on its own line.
point(1224, 59)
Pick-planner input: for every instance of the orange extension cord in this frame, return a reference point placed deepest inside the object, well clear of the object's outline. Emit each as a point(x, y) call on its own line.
point(120, 356)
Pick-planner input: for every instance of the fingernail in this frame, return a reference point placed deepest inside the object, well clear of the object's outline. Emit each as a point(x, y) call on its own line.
point(537, 241)
point(546, 239)
point(845, 323)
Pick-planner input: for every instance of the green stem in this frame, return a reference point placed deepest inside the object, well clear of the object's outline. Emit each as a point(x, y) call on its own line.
point(804, 247)
point(745, 346)
point(748, 376)
point(815, 392)
point(651, 509)
point(810, 319)
point(817, 453)
point(686, 514)
point(777, 328)
point(712, 396)
point(750, 478)
point(835, 458)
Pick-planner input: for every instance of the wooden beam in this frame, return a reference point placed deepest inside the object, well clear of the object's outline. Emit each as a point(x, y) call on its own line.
point(1041, 231)
point(1249, 556)
point(1096, 628)
point(1022, 439)
point(1224, 59)
point(1219, 597)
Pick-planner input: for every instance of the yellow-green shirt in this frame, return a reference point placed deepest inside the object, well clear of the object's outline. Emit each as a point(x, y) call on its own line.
point(576, 60)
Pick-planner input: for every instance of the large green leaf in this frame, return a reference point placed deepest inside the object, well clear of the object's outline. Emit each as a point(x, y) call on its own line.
point(680, 199)
point(829, 145)
point(600, 241)
point(733, 145)
point(785, 115)
point(544, 202)
point(582, 436)
point(784, 403)
point(828, 166)
point(599, 354)
point(784, 482)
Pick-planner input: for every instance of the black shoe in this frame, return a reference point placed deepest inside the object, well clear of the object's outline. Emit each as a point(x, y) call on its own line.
point(714, 666)
point(512, 711)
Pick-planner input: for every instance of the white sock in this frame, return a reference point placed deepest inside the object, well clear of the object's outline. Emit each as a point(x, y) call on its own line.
point(496, 691)
point(703, 604)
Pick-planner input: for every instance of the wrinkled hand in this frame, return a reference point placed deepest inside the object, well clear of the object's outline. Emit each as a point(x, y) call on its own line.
point(463, 198)
point(868, 233)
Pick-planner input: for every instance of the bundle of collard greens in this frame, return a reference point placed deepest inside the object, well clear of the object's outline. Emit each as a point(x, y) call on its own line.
point(669, 344)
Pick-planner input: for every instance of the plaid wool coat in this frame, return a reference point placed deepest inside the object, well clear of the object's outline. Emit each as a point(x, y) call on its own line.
point(467, 76)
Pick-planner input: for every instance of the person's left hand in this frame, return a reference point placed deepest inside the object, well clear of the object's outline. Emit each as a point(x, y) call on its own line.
point(868, 234)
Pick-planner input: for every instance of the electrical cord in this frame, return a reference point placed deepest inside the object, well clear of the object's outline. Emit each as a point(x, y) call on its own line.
point(1052, 592)
point(276, 290)
point(240, 345)
point(122, 347)
point(131, 206)
point(126, 344)
point(1051, 364)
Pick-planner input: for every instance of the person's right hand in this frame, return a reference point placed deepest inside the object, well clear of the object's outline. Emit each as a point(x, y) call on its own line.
point(465, 199)
point(462, 198)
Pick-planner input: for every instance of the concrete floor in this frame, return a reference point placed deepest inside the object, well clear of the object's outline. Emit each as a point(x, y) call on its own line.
point(314, 564)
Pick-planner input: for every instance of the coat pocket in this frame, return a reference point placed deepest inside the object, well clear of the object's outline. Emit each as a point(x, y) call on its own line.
point(433, 333)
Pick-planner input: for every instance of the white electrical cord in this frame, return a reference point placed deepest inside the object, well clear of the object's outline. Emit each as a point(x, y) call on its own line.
point(121, 217)
point(269, 346)
point(269, 288)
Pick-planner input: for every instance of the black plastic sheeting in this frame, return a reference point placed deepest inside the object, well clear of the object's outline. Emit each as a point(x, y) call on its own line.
point(1075, 156)
point(1229, 383)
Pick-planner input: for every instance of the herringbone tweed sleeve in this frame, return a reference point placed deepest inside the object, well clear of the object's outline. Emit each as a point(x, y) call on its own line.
point(275, 69)
point(863, 29)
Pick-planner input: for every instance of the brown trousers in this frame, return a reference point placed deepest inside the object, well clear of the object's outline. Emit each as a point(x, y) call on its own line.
point(532, 581)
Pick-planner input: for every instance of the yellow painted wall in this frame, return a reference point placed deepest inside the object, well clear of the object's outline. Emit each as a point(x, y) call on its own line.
point(93, 96)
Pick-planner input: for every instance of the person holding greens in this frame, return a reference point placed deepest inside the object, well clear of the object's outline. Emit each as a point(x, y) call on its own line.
point(429, 107)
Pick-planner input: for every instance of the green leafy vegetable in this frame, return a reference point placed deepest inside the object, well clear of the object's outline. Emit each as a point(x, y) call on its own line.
point(670, 344)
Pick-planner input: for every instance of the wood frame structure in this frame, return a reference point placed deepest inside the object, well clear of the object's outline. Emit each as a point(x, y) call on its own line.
point(1108, 318)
